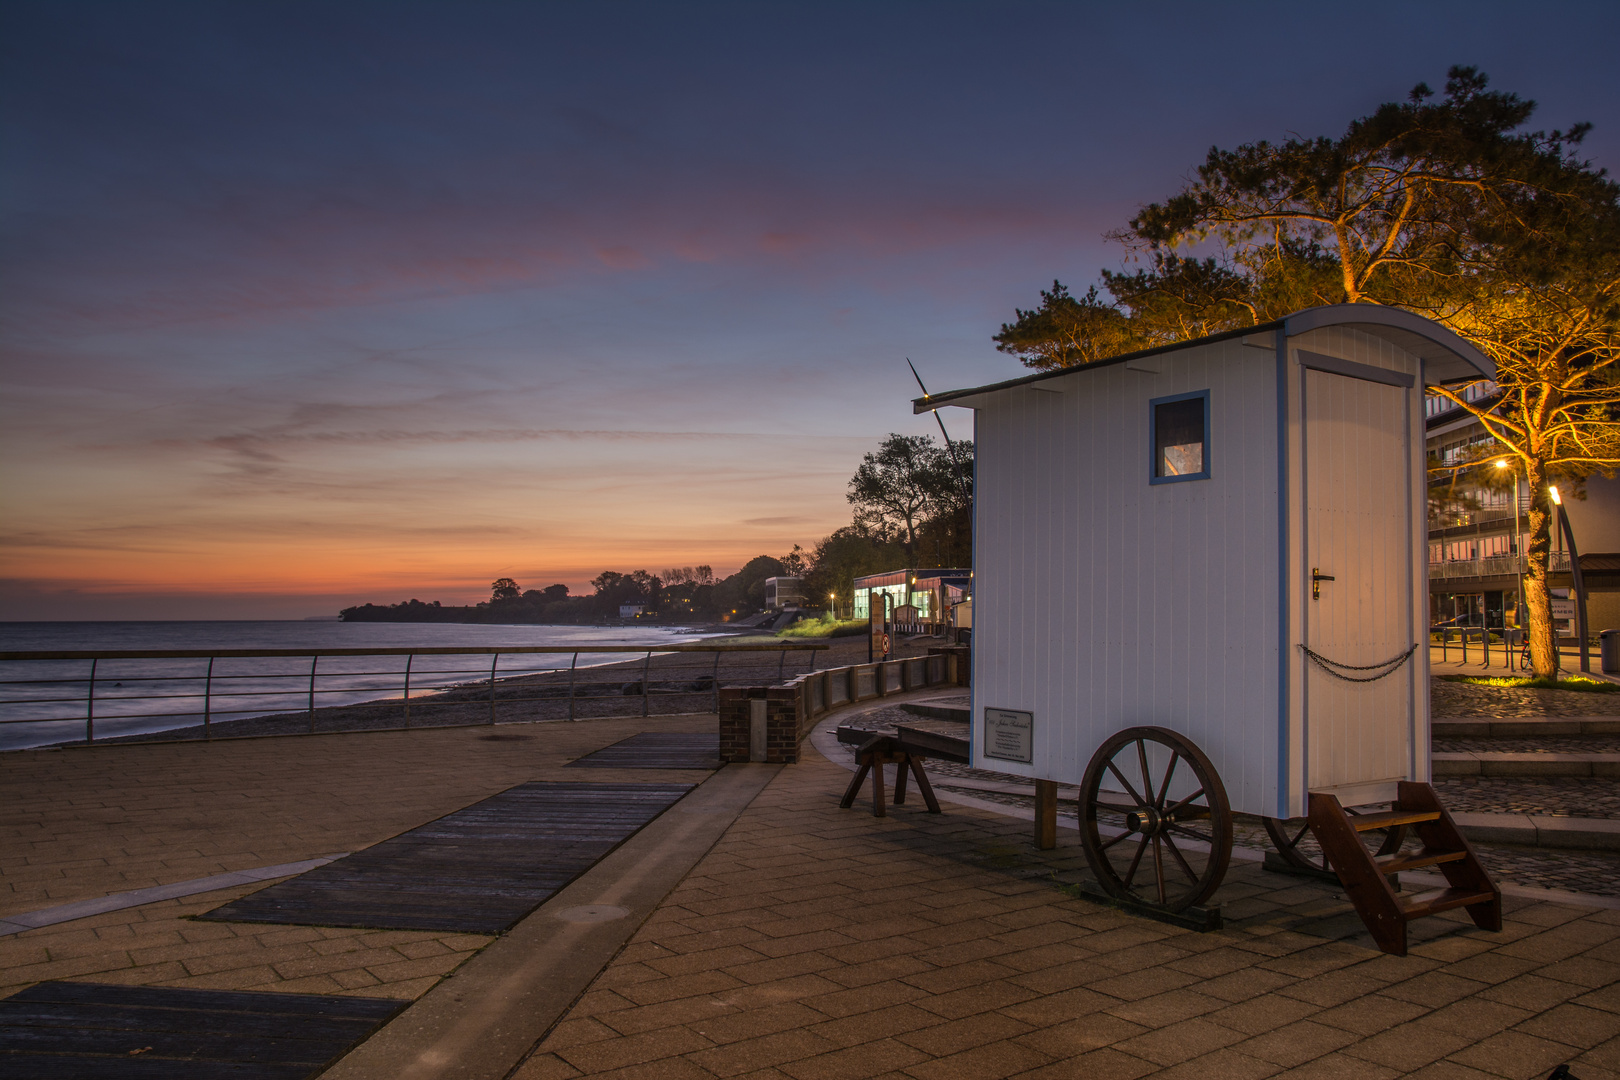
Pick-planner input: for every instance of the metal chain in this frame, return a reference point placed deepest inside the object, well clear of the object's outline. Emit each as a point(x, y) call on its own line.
point(1393, 664)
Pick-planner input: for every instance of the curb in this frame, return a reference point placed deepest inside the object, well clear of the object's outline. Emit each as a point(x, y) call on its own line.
point(1541, 830)
point(1525, 725)
point(1493, 763)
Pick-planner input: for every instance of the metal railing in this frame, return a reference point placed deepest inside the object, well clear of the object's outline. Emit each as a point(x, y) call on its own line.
point(193, 693)
point(1493, 566)
point(1460, 518)
point(1509, 639)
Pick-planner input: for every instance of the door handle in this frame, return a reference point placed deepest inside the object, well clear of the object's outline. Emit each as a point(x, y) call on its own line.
point(1317, 577)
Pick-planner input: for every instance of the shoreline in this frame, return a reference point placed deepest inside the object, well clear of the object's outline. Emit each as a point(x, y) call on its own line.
point(469, 704)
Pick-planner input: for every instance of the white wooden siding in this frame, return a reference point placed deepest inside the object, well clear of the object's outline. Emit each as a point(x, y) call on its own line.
point(1103, 601)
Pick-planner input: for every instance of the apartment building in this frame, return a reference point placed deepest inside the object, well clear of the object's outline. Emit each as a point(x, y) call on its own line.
point(1479, 526)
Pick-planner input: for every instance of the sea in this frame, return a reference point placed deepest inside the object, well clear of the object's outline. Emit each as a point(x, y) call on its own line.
point(43, 702)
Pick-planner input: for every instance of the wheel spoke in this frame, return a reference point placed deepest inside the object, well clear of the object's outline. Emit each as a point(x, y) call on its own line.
point(1185, 865)
point(1158, 867)
point(1137, 861)
point(1303, 829)
point(1115, 840)
point(1129, 790)
point(1192, 833)
point(1147, 777)
point(1164, 790)
point(1185, 801)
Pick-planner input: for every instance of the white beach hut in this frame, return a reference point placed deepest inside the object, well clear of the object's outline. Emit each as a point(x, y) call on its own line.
point(1222, 539)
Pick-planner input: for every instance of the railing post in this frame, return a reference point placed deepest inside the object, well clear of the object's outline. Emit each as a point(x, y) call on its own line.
point(813, 652)
point(494, 661)
point(1485, 645)
point(714, 679)
point(90, 705)
point(646, 668)
point(208, 699)
point(573, 666)
point(1465, 646)
point(409, 657)
point(781, 665)
point(314, 662)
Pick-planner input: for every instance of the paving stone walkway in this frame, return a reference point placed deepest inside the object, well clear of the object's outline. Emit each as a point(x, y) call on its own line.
point(817, 943)
point(88, 822)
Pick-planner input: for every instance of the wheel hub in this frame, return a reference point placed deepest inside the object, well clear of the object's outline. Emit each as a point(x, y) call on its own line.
point(1146, 820)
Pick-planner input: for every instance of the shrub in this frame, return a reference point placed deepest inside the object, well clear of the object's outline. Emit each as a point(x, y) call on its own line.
point(1585, 686)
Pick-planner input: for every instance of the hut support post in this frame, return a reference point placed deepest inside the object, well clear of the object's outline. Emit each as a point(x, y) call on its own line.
point(1046, 814)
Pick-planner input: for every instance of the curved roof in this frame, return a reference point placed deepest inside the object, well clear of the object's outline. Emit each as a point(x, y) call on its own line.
point(1446, 357)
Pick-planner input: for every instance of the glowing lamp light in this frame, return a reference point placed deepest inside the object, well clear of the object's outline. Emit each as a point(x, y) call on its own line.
point(1554, 493)
point(1502, 464)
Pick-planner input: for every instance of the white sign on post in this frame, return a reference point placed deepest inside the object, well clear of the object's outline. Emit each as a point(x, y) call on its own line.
point(1563, 609)
point(1009, 734)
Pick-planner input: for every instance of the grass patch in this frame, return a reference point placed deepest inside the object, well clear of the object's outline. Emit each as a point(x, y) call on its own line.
point(825, 627)
point(1584, 686)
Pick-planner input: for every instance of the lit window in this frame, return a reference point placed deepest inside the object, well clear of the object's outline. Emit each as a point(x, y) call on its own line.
point(1180, 434)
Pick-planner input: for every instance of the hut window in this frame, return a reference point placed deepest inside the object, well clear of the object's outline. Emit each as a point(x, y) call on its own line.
point(1180, 433)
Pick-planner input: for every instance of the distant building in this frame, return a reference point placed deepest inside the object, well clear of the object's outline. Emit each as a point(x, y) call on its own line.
point(631, 611)
point(933, 593)
point(784, 592)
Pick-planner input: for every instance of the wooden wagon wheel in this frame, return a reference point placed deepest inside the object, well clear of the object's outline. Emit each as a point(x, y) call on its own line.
point(1286, 834)
point(1154, 820)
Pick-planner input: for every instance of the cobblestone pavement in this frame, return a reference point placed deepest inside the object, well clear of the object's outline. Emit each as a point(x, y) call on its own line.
point(1462, 699)
point(1558, 796)
point(1539, 744)
point(815, 943)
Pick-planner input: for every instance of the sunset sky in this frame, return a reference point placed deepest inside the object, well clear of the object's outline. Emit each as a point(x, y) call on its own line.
point(307, 305)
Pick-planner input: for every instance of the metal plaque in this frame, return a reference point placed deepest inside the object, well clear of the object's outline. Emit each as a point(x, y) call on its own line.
point(1009, 734)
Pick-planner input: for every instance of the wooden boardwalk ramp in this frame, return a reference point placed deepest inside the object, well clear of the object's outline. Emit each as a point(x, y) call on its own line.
point(478, 870)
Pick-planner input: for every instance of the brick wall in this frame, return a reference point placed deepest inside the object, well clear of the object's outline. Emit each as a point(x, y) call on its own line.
point(786, 722)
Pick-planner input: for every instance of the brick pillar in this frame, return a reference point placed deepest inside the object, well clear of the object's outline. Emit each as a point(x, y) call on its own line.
point(782, 709)
point(734, 713)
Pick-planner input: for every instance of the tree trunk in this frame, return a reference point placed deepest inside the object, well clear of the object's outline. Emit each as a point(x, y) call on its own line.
point(1543, 648)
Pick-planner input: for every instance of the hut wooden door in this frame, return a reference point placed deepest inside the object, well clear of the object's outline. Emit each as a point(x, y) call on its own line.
point(1358, 530)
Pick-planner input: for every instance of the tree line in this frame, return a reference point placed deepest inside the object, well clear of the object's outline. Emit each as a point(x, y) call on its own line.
point(911, 502)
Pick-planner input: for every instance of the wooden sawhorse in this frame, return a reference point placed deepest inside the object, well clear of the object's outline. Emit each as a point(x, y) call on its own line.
point(881, 750)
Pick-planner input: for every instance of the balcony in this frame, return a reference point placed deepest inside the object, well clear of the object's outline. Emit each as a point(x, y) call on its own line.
point(1459, 518)
point(1494, 566)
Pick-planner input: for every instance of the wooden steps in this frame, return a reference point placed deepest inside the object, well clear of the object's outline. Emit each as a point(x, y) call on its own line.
point(1365, 876)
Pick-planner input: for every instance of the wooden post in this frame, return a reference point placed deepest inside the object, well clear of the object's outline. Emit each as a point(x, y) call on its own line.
point(208, 698)
point(1046, 814)
point(714, 678)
